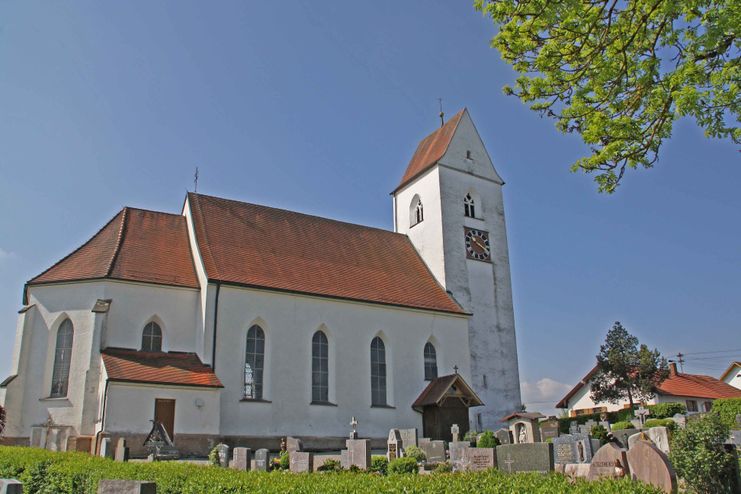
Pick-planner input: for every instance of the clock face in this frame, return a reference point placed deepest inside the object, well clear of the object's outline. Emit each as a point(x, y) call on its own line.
point(477, 244)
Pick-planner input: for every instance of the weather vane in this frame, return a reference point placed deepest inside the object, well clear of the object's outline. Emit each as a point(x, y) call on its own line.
point(442, 115)
point(195, 181)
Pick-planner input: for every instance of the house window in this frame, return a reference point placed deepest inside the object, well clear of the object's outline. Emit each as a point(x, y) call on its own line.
point(708, 405)
point(691, 405)
point(62, 359)
point(254, 363)
point(319, 368)
point(152, 338)
point(416, 212)
point(469, 206)
point(430, 362)
point(378, 372)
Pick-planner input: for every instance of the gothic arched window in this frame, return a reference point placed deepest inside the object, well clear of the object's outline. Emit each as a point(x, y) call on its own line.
point(469, 206)
point(378, 372)
point(430, 362)
point(254, 363)
point(152, 338)
point(319, 368)
point(416, 212)
point(62, 360)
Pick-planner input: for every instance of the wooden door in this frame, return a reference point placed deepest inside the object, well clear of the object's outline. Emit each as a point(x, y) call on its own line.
point(164, 411)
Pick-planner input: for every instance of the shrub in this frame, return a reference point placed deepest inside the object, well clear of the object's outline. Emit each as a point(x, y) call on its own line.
point(618, 426)
point(666, 410)
point(668, 423)
point(727, 409)
point(444, 467)
point(617, 416)
point(284, 460)
point(698, 456)
point(2, 420)
point(213, 456)
point(379, 464)
point(470, 436)
point(331, 465)
point(406, 464)
point(599, 432)
point(487, 440)
point(416, 453)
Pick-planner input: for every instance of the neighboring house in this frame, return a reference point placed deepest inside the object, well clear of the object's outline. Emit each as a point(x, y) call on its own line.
point(238, 322)
point(696, 391)
point(732, 375)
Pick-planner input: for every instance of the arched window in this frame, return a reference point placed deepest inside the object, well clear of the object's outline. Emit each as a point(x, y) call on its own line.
point(416, 211)
point(152, 338)
point(430, 362)
point(319, 368)
point(62, 359)
point(254, 363)
point(378, 372)
point(469, 206)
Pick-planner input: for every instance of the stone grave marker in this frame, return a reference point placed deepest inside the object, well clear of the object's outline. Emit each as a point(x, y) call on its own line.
point(479, 459)
point(262, 460)
point(242, 458)
point(223, 453)
point(660, 437)
point(409, 437)
point(649, 464)
point(457, 451)
point(424, 440)
point(122, 451)
point(294, 444)
point(588, 426)
point(680, 419)
point(609, 461)
point(394, 445)
point(624, 435)
point(455, 433)
point(504, 436)
point(642, 413)
point(11, 486)
point(126, 487)
point(574, 470)
point(434, 451)
point(572, 448)
point(528, 457)
point(573, 427)
point(106, 450)
point(358, 453)
point(548, 429)
point(301, 462)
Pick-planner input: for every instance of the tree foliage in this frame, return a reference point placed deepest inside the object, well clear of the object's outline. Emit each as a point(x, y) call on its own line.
point(626, 370)
point(620, 73)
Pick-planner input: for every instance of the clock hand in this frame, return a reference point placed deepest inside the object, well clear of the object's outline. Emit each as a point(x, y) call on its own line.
point(479, 243)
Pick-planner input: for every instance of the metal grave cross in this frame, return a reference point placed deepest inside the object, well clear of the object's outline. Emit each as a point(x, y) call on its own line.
point(642, 414)
point(354, 424)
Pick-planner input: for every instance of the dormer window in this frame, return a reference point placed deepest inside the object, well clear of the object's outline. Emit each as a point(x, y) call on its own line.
point(469, 206)
point(416, 212)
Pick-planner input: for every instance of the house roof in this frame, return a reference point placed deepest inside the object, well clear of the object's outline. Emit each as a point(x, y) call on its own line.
point(430, 150)
point(258, 246)
point(677, 384)
point(442, 388)
point(178, 369)
point(730, 368)
point(135, 245)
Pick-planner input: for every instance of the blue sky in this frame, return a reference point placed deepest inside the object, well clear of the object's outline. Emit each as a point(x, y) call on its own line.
point(317, 107)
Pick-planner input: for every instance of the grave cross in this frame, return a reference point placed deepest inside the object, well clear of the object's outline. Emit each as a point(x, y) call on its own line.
point(642, 414)
point(455, 431)
point(354, 424)
point(509, 461)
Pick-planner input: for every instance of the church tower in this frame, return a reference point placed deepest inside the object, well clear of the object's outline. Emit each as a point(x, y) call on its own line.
point(449, 203)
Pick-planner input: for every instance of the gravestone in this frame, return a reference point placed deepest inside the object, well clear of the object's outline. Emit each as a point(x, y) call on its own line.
point(294, 444)
point(159, 444)
point(548, 429)
point(504, 436)
point(479, 459)
point(455, 432)
point(424, 440)
point(642, 414)
point(126, 487)
point(457, 451)
point(10, 486)
point(262, 460)
point(623, 436)
point(575, 470)
point(37, 437)
point(660, 437)
point(223, 454)
point(588, 426)
point(528, 457)
point(242, 459)
point(610, 461)
point(434, 451)
point(650, 465)
point(122, 451)
point(394, 445)
point(358, 453)
point(680, 419)
point(605, 424)
point(573, 427)
point(106, 450)
point(408, 437)
point(301, 462)
point(572, 448)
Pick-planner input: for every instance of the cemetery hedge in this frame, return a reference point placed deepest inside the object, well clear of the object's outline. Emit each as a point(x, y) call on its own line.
point(727, 409)
point(617, 416)
point(45, 472)
point(666, 410)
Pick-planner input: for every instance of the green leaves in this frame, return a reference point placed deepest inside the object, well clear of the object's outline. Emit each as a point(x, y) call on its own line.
point(621, 73)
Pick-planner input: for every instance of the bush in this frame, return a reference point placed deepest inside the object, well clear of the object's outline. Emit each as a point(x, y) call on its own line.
point(487, 440)
point(470, 436)
point(618, 426)
point(416, 453)
point(284, 460)
point(617, 416)
point(727, 409)
point(599, 432)
point(698, 456)
point(379, 464)
point(666, 410)
point(330, 465)
point(444, 467)
point(213, 457)
point(668, 423)
point(406, 464)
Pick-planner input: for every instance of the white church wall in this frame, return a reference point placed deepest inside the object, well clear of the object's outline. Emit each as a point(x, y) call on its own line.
point(289, 322)
point(130, 408)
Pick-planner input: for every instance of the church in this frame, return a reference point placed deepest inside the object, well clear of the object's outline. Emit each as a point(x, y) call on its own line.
point(237, 322)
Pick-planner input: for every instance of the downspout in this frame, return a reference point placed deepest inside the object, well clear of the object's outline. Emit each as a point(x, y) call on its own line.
point(102, 417)
point(216, 322)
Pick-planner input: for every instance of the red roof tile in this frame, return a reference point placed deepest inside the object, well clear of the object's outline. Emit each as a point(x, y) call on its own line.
point(181, 369)
point(258, 246)
point(430, 150)
point(135, 245)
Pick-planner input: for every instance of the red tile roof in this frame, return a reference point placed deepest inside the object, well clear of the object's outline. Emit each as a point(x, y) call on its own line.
point(135, 245)
point(430, 150)
point(259, 246)
point(179, 369)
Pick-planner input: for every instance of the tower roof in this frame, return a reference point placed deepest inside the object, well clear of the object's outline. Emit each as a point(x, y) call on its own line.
point(431, 149)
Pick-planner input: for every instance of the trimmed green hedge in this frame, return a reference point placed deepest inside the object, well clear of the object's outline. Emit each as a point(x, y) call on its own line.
point(78, 473)
point(619, 426)
point(666, 410)
point(668, 423)
point(618, 416)
point(727, 409)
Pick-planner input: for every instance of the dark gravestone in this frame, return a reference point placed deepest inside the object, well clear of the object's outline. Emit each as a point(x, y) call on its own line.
point(122, 451)
point(434, 451)
point(548, 429)
point(10, 486)
point(394, 445)
point(479, 459)
point(409, 437)
point(572, 448)
point(504, 436)
point(242, 459)
point(294, 444)
point(262, 460)
point(301, 462)
point(649, 464)
point(532, 457)
point(609, 461)
point(126, 487)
